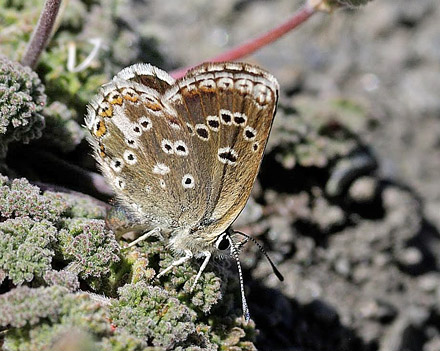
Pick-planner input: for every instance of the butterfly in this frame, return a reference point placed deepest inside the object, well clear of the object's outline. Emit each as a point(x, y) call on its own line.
point(182, 155)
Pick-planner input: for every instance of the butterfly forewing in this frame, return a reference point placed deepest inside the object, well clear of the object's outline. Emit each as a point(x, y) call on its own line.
point(184, 154)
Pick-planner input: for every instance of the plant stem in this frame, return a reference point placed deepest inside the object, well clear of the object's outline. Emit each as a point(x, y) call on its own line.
point(41, 33)
point(304, 13)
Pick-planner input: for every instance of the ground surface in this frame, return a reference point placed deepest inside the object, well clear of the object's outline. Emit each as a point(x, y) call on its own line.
point(371, 280)
point(348, 200)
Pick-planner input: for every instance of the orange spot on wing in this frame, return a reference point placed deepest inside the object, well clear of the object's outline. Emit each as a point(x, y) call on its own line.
point(116, 101)
point(102, 151)
point(101, 129)
point(132, 98)
point(153, 106)
point(206, 89)
point(105, 112)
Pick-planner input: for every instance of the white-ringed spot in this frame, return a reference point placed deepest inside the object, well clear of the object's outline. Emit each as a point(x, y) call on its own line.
point(180, 148)
point(145, 123)
point(162, 184)
point(105, 109)
point(227, 156)
point(255, 146)
point(116, 164)
point(120, 184)
point(225, 83)
point(213, 123)
point(202, 131)
point(226, 117)
point(262, 94)
point(130, 95)
point(131, 143)
point(239, 119)
point(244, 86)
point(261, 89)
point(174, 125)
point(137, 129)
point(249, 133)
point(188, 181)
point(161, 168)
point(130, 157)
point(115, 98)
point(147, 188)
point(207, 85)
point(167, 146)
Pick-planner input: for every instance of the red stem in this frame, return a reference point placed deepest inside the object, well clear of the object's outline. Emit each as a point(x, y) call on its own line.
point(253, 45)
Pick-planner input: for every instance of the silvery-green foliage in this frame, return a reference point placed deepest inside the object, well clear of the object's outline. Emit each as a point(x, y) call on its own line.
point(22, 99)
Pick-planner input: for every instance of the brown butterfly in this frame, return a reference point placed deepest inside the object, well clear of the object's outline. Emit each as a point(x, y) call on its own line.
point(182, 155)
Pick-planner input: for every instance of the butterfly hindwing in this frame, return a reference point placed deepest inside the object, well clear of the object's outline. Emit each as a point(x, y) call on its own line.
point(235, 103)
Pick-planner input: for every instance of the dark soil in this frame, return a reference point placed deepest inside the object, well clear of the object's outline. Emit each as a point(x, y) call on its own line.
point(347, 202)
point(362, 269)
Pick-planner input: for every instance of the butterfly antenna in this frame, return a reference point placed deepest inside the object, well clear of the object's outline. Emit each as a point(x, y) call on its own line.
point(240, 245)
point(234, 254)
point(274, 268)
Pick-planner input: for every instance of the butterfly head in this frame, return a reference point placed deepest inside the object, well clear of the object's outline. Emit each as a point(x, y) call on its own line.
point(223, 242)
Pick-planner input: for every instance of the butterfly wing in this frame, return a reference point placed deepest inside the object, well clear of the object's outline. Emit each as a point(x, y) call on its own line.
point(229, 107)
point(147, 75)
point(140, 146)
point(183, 154)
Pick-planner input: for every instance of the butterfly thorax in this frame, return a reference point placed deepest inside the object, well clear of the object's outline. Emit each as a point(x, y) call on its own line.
point(198, 240)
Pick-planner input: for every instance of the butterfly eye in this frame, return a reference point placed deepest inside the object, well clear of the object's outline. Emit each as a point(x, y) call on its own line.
point(223, 242)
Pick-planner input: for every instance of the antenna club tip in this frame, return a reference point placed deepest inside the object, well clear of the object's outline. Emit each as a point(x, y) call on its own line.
point(278, 274)
point(280, 277)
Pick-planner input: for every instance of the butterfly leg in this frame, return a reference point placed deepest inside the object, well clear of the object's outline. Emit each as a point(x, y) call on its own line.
point(188, 255)
point(202, 268)
point(155, 231)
